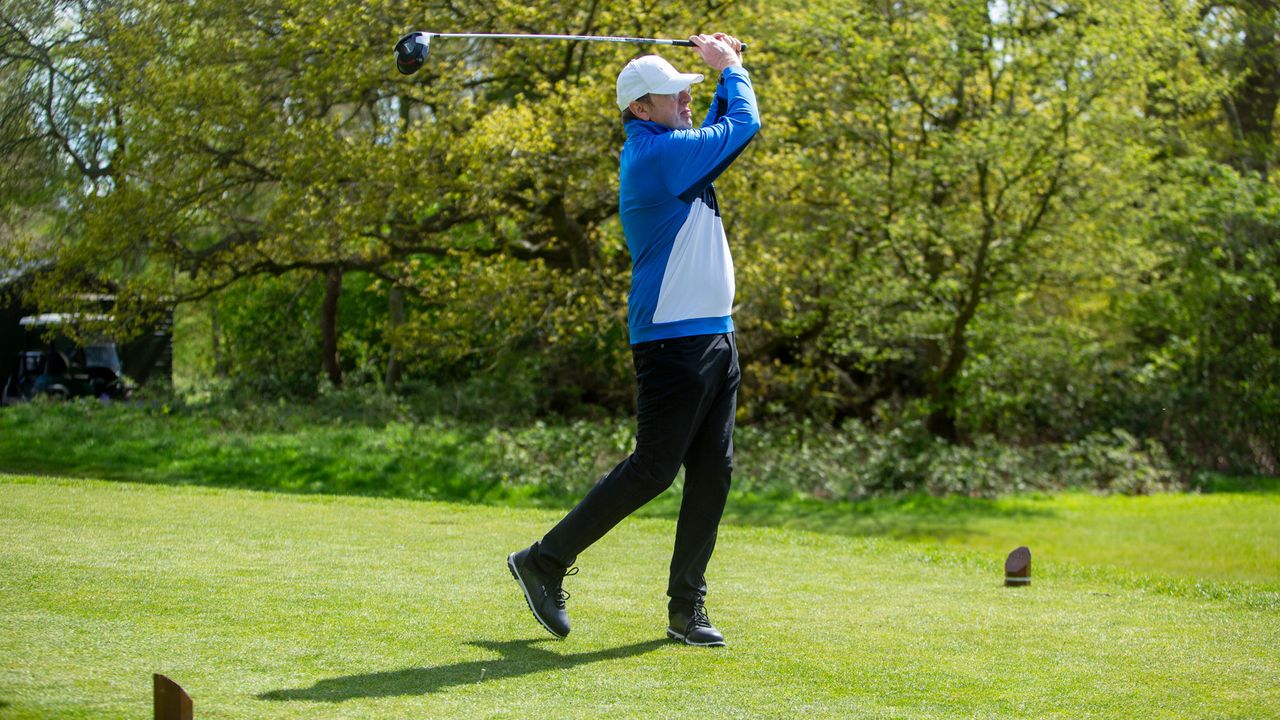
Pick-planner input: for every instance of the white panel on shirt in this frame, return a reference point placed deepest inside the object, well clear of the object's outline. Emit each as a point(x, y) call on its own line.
point(698, 281)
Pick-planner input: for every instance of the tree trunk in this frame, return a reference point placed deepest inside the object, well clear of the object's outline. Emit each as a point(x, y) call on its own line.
point(1252, 104)
point(396, 318)
point(942, 386)
point(215, 331)
point(329, 325)
point(942, 419)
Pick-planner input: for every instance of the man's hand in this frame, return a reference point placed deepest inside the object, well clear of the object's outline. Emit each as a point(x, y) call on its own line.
point(719, 50)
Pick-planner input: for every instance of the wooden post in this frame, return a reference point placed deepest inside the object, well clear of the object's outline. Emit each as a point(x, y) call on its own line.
point(1017, 568)
point(172, 702)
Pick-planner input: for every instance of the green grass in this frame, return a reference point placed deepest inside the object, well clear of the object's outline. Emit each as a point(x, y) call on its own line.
point(273, 605)
point(268, 447)
point(1224, 537)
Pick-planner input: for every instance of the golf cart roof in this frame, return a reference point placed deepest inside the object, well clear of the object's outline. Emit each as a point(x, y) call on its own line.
point(45, 319)
point(13, 273)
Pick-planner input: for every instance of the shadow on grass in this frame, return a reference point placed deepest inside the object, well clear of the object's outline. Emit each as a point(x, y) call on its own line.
point(519, 658)
point(905, 517)
point(1246, 484)
point(910, 517)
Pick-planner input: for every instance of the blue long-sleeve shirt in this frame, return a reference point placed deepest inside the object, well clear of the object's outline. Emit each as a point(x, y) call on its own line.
point(681, 270)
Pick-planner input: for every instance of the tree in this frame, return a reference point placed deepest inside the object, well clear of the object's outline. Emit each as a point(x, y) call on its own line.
point(1205, 318)
point(53, 132)
point(1241, 40)
point(942, 154)
point(265, 138)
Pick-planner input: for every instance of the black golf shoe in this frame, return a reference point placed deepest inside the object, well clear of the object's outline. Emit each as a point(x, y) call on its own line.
point(694, 628)
point(543, 592)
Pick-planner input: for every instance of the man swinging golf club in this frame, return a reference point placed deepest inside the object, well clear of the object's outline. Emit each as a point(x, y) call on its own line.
point(682, 340)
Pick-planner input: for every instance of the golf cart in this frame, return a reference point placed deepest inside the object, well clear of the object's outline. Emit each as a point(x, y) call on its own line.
point(62, 369)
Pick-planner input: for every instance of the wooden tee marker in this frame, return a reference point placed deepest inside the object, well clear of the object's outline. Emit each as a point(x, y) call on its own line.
point(1017, 568)
point(172, 702)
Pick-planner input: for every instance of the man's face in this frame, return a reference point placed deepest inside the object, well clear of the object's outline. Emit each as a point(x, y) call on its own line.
point(669, 110)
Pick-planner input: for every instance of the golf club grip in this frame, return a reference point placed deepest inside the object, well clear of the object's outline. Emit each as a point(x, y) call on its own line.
point(689, 43)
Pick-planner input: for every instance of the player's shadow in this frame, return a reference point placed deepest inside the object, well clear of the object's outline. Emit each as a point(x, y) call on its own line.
point(519, 657)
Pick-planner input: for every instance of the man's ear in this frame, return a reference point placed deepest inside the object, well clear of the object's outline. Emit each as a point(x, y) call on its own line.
point(639, 109)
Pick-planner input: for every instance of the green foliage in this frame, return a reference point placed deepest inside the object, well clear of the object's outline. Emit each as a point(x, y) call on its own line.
point(268, 333)
point(854, 463)
point(567, 350)
point(941, 159)
point(1208, 327)
point(1002, 219)
point(1036, 378)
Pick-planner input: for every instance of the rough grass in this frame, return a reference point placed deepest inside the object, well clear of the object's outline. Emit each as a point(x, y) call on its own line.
point(375, 445)
point(271, 605)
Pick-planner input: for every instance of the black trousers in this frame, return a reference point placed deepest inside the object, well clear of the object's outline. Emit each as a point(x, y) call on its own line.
point(687, 400)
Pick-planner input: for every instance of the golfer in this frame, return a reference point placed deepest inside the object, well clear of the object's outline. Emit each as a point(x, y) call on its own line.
point(682, 342)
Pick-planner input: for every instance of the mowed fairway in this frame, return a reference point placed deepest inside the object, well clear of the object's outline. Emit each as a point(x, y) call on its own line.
point(284, 606)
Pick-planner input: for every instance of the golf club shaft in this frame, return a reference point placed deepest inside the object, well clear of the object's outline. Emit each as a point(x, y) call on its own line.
point(587, 38)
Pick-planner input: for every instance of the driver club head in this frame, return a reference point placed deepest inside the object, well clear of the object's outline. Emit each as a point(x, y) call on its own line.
point(411, 52)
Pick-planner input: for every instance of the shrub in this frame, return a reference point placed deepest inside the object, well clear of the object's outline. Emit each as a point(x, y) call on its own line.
point(849, 463)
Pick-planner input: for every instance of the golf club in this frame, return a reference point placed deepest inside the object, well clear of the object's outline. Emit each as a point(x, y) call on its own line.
point(412, 49)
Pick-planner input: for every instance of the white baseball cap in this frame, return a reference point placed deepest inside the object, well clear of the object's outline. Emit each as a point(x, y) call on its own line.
point(651, 74)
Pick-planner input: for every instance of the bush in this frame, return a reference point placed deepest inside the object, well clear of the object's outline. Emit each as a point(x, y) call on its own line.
point(1207, 328)
point(271, 338)
point(810, 460)
point(555, 461)
point(854, 463)
point(374, 444)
